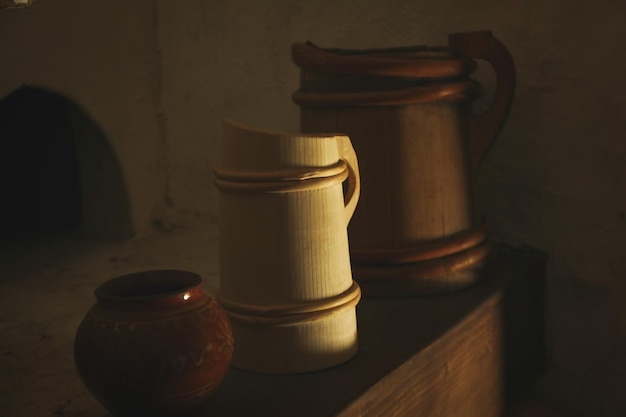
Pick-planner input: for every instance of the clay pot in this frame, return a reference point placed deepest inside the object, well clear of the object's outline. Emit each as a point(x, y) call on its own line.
point(154, 344)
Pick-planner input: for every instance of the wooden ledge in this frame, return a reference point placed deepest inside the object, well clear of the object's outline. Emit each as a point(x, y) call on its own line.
point(469, 353)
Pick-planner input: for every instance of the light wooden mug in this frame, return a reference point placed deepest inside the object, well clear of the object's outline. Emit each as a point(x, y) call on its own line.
point(285, 274)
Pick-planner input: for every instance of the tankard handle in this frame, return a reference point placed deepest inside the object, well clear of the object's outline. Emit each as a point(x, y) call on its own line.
point(484, 127)
point(351, 196)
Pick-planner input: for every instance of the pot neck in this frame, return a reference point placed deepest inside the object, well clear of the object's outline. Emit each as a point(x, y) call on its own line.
point(162, 289)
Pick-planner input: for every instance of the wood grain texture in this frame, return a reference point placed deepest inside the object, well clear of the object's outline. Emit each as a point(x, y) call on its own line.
point(418, 144)
point(285, 274)
point(467, 353)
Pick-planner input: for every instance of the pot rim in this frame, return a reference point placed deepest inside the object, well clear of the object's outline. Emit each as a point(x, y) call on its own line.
point(149, 285)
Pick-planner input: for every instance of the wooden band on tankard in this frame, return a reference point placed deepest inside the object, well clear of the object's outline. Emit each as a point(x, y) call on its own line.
point(452, 91)
point(281, 181)
point(378, 77)
point(286, 315)
point(450, 245)
point(433, 62)
point(431, 276)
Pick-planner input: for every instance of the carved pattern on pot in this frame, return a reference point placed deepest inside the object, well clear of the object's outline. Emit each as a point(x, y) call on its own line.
point(155, 342)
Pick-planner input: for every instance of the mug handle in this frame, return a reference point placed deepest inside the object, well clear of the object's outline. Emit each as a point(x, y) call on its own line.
point(484, 127)
point(351, 197)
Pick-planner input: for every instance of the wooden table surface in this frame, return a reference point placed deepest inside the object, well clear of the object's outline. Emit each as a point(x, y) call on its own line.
point(468, 353)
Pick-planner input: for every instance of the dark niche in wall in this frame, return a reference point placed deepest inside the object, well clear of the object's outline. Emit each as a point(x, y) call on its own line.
point(38, 166)
point(58, 173)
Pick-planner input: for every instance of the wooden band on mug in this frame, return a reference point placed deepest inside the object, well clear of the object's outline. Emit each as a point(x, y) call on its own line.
point(282, 181)
point(290, 314)
point(281, 175)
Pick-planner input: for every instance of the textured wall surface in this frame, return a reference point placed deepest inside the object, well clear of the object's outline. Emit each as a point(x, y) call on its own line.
point(158, 75)
point(104, 59)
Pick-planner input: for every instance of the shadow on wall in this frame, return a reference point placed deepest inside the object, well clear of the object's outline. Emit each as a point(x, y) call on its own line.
point(58, 173)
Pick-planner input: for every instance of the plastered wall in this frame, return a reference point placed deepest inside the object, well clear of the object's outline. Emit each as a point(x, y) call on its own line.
point(158, 75)
point(104, 59)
